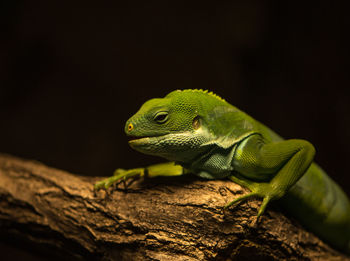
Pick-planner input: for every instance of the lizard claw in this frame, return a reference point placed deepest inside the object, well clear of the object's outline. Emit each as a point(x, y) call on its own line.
point(120, 175)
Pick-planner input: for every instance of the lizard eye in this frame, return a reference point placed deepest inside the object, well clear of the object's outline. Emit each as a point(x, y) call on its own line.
point(161, 117)
point(196, 123)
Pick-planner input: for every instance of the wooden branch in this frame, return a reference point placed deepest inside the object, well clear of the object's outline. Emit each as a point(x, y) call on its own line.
point(177, 218)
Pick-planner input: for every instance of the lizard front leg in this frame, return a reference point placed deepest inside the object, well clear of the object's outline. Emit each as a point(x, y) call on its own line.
point(269, 170)
point(162, 169)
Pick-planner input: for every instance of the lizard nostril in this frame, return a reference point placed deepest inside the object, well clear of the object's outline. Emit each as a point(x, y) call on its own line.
point(130, 127)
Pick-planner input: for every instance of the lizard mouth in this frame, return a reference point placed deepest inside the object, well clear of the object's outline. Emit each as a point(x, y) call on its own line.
point(132, 138)
point(135, 141)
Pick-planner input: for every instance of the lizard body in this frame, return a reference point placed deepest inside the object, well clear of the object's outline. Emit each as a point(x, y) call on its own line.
point(205, 135)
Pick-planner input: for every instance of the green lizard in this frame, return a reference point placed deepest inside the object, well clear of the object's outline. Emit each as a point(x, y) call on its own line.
point(201, 133)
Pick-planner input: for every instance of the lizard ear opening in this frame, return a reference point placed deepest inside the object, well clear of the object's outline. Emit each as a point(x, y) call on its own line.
point(196, 123)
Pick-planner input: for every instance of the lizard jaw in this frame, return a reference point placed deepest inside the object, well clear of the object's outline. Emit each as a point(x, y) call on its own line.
point(148, 145)
point(140, 141)
point(145, 142)
point(180, 146)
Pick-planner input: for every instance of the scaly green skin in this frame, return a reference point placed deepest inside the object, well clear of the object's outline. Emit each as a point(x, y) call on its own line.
point(207, 136)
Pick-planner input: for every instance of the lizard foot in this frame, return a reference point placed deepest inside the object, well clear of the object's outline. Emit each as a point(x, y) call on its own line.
point(261, 190)
point(120, 175)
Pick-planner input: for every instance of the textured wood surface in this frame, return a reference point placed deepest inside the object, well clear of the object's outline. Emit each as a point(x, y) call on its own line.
point(179, 218)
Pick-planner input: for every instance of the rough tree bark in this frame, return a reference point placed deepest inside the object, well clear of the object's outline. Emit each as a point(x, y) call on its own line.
point(176, 218)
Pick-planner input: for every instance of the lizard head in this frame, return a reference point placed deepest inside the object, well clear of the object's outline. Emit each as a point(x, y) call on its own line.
point(171, 127)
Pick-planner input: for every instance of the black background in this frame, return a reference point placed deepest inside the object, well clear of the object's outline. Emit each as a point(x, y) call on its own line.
point(72, 73)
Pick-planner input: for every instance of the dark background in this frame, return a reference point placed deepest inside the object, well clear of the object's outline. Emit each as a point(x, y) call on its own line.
point(71, 74)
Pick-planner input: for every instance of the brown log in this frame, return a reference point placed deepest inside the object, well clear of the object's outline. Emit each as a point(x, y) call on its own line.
point(178, 218)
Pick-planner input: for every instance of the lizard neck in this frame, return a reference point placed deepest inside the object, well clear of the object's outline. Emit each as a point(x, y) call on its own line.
point(216, 161)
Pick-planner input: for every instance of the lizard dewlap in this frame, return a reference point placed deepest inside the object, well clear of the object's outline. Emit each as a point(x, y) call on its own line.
point(205, 135)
